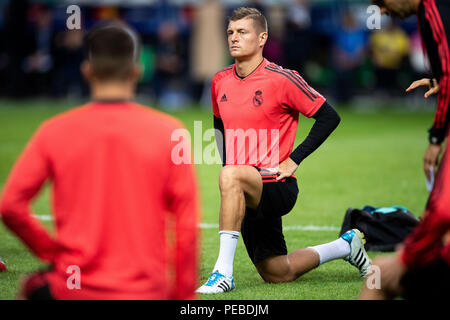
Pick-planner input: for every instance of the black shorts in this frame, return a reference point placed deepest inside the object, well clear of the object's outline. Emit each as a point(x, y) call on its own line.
point(431, 282)
point(261, 228)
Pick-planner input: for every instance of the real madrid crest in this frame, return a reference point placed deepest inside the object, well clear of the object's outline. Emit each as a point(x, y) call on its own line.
point(258, 98)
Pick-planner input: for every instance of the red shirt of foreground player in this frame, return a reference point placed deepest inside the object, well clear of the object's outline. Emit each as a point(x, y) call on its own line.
point(115, 193)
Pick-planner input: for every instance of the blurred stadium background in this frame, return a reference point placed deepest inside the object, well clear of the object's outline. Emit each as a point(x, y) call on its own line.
point(373, 158)
point(184, 44)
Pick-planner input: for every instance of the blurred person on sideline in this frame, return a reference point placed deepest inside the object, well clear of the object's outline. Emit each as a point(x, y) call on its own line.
point(38, 65)
point(298, 30)
point(125, 214)
point(389, 49)
point(274, 48)
point(170, 67)
point(16, 42)
point(208, 46)
point(420, 269)
point(348, 53)
point(68, 55)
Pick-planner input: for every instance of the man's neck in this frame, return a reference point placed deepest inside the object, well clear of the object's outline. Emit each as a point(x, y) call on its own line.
point(112, 91)
point(246, 67)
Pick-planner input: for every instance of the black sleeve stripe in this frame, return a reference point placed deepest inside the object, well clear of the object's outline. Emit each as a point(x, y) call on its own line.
point(296, 75)
point(445, 59)
point(293, 81)
point(225, 69)
point(305, 85)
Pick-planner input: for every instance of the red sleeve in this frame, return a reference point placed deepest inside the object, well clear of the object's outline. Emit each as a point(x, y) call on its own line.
point(439, 35)
point(298, 95)
point(183, 203)
point(441, 117)
point(24, 182)
point(424, 245)
point(215, 107)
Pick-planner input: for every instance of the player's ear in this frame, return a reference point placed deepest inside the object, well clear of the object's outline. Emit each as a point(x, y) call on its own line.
point(136, 72)
point(86, 70)
point(263, 38)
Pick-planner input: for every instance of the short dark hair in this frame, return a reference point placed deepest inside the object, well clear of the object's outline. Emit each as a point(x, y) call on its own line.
point(258, 18)
point(112, 48)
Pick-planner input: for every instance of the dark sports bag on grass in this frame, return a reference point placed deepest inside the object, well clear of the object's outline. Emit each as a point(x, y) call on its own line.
point(384, 228)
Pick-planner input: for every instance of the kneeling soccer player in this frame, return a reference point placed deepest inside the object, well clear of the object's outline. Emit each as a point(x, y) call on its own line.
point(256, 105)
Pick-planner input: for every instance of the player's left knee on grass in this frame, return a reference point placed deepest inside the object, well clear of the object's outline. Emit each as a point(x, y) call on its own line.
point(276, 278)
point(269, 278)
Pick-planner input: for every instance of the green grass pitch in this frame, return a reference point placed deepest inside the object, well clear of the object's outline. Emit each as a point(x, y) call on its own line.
point(372, 158)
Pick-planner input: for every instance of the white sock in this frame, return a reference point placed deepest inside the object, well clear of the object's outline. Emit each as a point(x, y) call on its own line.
point(336, 249)
point(228, 243)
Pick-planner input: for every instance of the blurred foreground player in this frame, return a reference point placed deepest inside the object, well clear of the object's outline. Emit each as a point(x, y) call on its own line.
point(256, 106)
point(125, 215)
point(421, 268)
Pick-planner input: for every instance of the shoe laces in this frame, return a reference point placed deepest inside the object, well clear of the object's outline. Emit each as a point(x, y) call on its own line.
point(216, 276)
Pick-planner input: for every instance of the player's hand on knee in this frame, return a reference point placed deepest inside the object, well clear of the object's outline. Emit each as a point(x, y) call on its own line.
point(431, 84)
point(286, 169)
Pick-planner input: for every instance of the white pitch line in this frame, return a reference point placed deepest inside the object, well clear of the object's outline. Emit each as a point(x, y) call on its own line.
point(311, 228)
point(44, 217)
point(216, 226)
point(285, 228)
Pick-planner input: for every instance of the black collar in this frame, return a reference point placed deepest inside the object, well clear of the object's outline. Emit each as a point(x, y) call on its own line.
point(250, 72)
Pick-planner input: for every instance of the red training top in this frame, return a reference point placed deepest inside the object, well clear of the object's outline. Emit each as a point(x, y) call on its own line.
point(424, 246)
point(260, 113)
point(116, 193)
